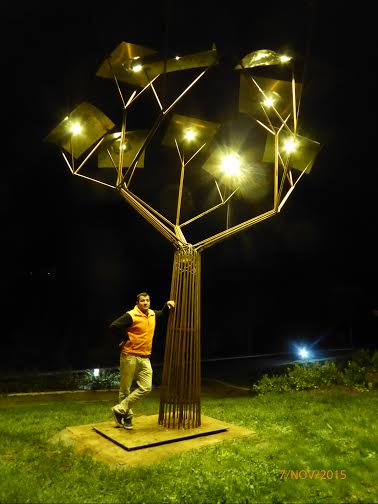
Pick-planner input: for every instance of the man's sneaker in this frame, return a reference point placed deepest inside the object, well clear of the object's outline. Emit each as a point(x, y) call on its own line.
point(118, 416)
point(128, 422)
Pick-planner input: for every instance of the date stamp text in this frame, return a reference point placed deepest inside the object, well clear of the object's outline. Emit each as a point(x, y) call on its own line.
point(316, 474)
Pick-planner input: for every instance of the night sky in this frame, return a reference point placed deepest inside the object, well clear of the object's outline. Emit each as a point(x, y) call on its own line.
point(75, 255)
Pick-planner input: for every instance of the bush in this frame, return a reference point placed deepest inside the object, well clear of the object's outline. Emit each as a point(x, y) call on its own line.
point(299, 377)
point(355, 376)
point(307, 376)
point(40, 382)
point(60, 380)
point(314, 375)
point(363, 358)
point(275, 383)
point(374, 361)
point(104, 380)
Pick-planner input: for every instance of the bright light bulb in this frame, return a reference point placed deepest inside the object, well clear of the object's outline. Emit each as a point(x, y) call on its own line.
point(118, 145)
point(137, 68)
point(284, 58)
point(76, 128)
point(96, 372)
point(231, 165)
point(290, 145)
point(303, 353)
point(189, 135)
point(268, 102)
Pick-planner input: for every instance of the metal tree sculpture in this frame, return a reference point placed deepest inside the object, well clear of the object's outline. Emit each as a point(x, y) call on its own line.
point(273, 104)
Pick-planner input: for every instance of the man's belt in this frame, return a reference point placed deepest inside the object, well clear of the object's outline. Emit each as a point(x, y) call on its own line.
point(138, 355)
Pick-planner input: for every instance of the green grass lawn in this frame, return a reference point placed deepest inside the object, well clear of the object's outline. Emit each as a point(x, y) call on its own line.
point(308, 433)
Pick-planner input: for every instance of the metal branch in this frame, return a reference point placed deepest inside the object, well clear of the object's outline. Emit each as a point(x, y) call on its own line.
point(141, 149)
point(200, 246)
point(122, 143)
point(151, 209)
point(294, 103)
point(220, 194)
point(148, 216)
point(136, 96)
point(95, 180)
point(89, 155)
point(209, 210)
point(179, 197)
point(156, 96)
point(116, 81)
point(68, 163)
point(185, 91)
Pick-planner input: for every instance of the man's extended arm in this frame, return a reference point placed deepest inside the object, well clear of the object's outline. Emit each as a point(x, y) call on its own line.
point(168, 306)
point(119, 325)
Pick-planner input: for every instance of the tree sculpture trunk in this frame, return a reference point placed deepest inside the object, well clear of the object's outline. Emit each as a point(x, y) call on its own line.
point(180, 397)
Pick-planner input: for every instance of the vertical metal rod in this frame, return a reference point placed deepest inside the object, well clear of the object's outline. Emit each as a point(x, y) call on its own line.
point(294, 103)
point(121, 144)
point(275, 190)
point(180, 192)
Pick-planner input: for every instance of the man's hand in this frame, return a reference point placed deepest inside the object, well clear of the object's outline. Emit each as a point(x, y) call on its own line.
point(171, 304)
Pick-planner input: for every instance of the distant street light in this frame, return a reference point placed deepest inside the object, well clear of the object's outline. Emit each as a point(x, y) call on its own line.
point(303, 353)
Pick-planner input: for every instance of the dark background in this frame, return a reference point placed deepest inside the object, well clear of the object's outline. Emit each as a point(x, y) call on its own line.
point(75, 255)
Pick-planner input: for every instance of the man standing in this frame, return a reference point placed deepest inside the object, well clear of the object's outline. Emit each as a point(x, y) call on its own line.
point(136, 327)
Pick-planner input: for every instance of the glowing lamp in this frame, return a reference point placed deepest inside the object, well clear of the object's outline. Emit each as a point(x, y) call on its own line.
point(189, 129)
point(109, 151)
point(303, 353)
point(230, 165)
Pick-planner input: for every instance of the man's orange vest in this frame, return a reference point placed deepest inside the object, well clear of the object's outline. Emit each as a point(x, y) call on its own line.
point(140, 333)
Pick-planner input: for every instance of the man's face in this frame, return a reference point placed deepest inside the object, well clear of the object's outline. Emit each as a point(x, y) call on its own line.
point(144, 303)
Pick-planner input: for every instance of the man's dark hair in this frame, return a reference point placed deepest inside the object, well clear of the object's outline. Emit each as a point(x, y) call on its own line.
point(144, 294)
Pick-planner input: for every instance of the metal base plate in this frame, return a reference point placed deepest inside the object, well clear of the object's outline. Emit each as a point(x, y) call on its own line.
point(148, 443)
point(147, 433)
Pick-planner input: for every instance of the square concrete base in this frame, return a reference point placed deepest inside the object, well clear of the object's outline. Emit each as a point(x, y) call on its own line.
point(148, 442)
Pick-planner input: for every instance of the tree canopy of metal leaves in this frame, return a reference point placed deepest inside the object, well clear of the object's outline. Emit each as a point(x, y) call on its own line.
point(87, 133)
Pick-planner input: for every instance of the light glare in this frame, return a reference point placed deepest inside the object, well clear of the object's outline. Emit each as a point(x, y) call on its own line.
point(261, 55)
point(269, 101)
point(290, 145)
point(76, 128)
point(190, 135)
point(231, 165)
point(303, 353)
